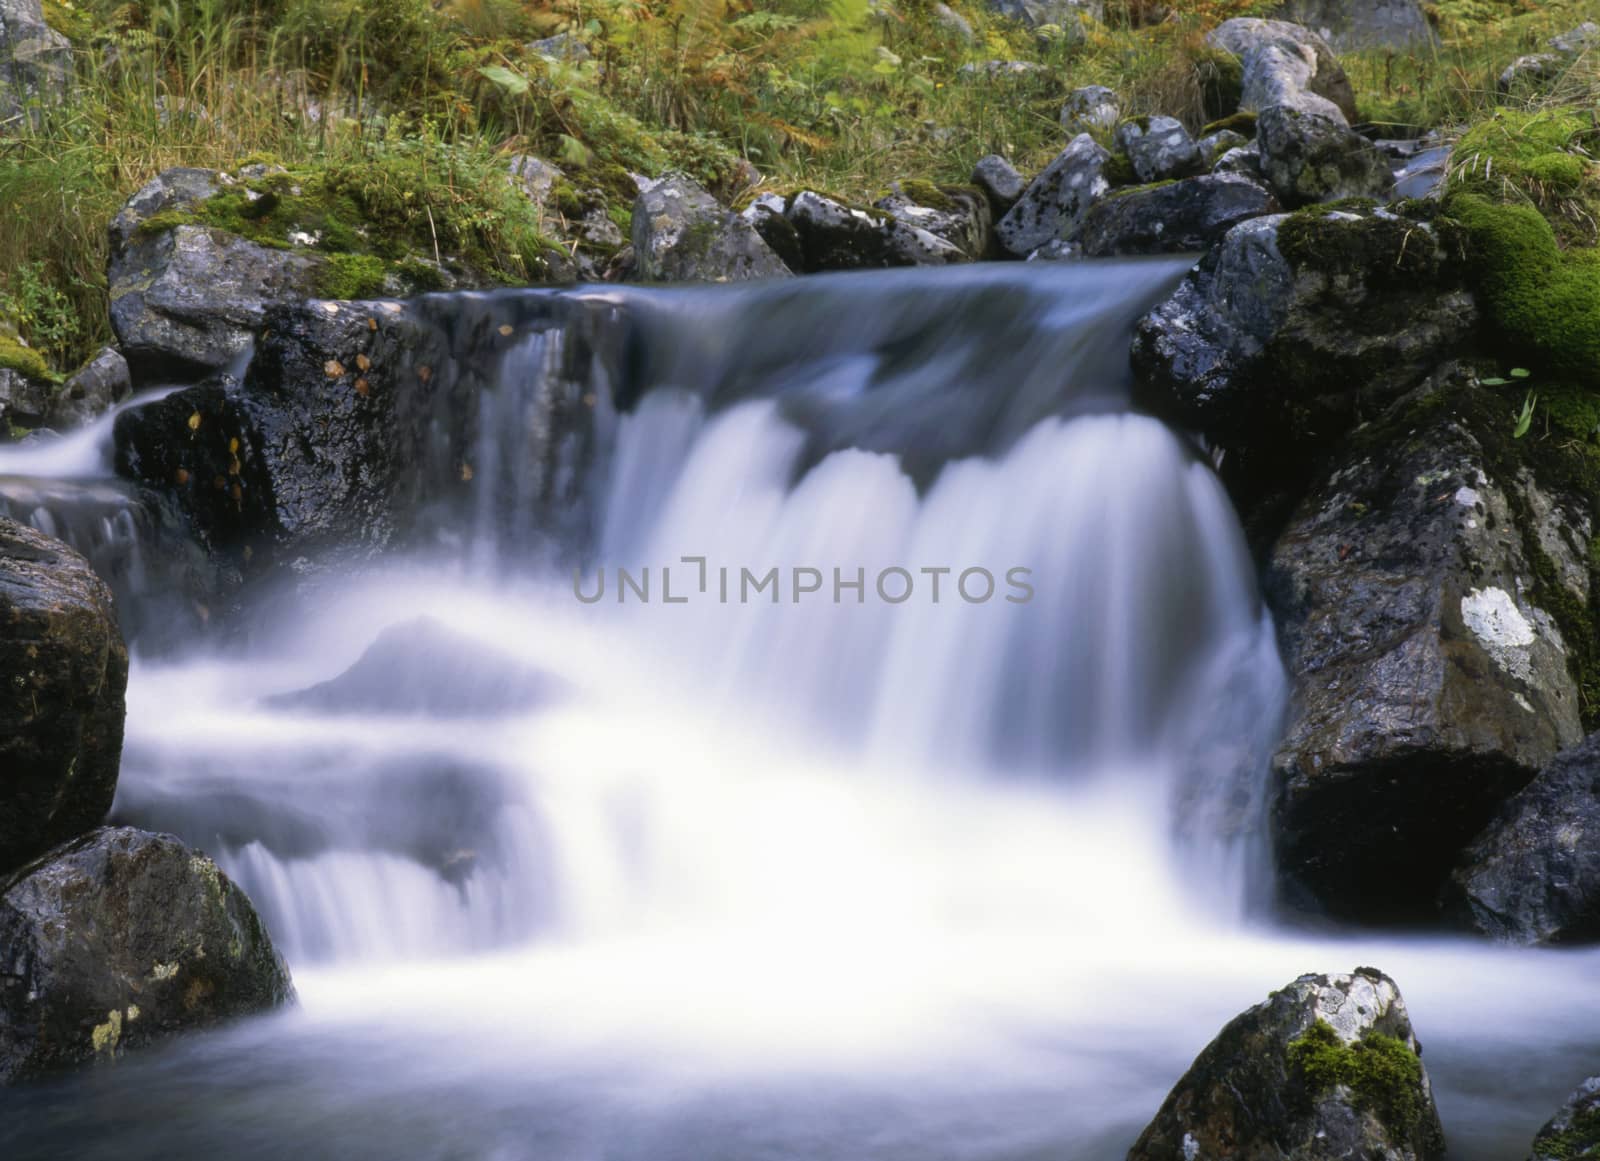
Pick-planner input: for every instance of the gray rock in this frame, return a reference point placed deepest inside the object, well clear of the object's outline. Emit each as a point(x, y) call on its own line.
point(1574, 1132)
point(834, 236)
point(1429, 683)
point(1242, 159)
point(999, 179)
point(1256, 1091)
point(1286, 64)
point(1310, 158)
point(1090, 108)
point(562, 46)
point(92, 390)
point(1057, 251)
point(1349, 25)
point(1065, 14)
point(1184, 215)
point(1160, 148)
point(1532, 71)
point(535, 177)
point(172, 190)
point(35, 61)
point(63, 672)
point(23, 401)
point(1000, 70)
point(119, 939)
point(1581, 39)
point(1215, 146)
point(1051, 206)
point(1534, 875)
point(959, 215)
point(682, 234)
point(953, 22)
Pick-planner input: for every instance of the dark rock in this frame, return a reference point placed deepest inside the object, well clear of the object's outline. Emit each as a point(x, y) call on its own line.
point(1534, 875)
point(1241, 159)
point(1159, 148)
point(63, 672)
point(1185, 215)
point(1430, 677)
point(1049, 209)
point(24, 402)
point(1000, 181)
point(1573, 1133)
point(119, 939)
point(1350, 25)
point(92, 390)
point(1214, 146)
point(1089, 108)
point(1286, 64)
point(682, 234)
point(834, 236)
point(1328, 1069)
point(1309, 158)
point(35, 61)
point(958, 215)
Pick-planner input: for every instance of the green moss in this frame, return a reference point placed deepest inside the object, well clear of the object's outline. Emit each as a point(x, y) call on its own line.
point(421, 277)
point(26, 361)
point(1383, 1075)
point(351, 276)
point(1119, 170)
point(1577, 1141)
point(1242, 122)
point(1124, 191)
point(1221, 77)
point(1541, 157)
point(925, 193)
point(76, 26)
point(1382, 249)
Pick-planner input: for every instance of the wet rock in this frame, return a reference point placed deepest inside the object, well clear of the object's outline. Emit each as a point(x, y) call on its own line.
point(1297, 326)
point(24, 402)
point(1049, 209)
point(1214, 146)
point(63, 672)
point(1065, 14)
point(1286, 64)
point(1185, 215)
point(119, 939)
point(1327, 1069)
point(1430, 676)
point(959, 215)
point(92, 390)
point(682, 234)
point(1000, 182)
point(1309, 158)
point(834, 236)
point(1534, 875)
point(1160, 148)
point(35, 61)
point(1350, 25)
point(1574, 1132)
point(1422, 175)
point(1090, 108)
point(767, 214)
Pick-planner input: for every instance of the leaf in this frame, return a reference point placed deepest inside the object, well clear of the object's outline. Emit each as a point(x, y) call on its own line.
point(1525, 420)
point(1520, 372)
point(505, 79)
point(1494, 382)
point(194, 422)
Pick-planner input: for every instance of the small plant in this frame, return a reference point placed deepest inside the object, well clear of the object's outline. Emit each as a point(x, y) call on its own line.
point(1525, 416)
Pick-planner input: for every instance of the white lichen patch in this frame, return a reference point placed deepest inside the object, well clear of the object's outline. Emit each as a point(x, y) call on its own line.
point(163, 971)
point(1505, 634)
point(1467, 497)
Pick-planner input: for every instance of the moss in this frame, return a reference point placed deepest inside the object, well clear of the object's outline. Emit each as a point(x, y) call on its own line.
point(1241, 122)
point(1119, 170)
point(76, 26)
point(351, 276)
point(26, 361)
point(1124, 191)
point(1540, 157)
point(1580, 1139)
point(1221, 77)
point(1383, 1075)
point(1382, 249)
point(421, 277)
point(925, 193)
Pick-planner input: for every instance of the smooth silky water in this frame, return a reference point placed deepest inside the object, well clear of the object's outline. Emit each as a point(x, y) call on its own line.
point(962, 881)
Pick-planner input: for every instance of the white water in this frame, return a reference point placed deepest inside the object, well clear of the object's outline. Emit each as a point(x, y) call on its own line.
point(800, 880)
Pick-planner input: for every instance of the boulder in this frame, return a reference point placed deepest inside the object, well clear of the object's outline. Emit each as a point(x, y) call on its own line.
point(1429, 670)
point(834, 236)
point(1000, 182)
point(119, 939)
point(953, 22)
point(1574, 1132)
point(1184, 215)
point(1067, 15)
point(534, 176)
point(682, 234)
point(959, 215)
point(1241, 159)
point(1327, 1069)
point(1538, 69)
point(1159, 148)
point(1534, 875)
point(92, 390)
point(1581, 39)
point(24, 400)
point(1214, 146)
point(63, 673)
point(1310, 158)
point(1090, 108)
point(1049, 209)
point(1297, 326)
point(1351, 25)
point(1286, 64)
point(35, 60)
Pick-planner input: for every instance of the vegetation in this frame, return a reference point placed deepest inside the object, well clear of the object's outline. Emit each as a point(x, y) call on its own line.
point(1381, 1073)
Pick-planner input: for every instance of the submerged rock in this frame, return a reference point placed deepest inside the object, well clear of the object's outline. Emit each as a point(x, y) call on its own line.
point(1430, 675)
point(63, 673)
point(1184, 215)
point(1307, 158)
point(35, 60)
point(682, 234)
point(121, 938)
point(1049, 209)
point(1328, 1069)
point(1574, 1132)
point(1286, 65)
point(1534, 875)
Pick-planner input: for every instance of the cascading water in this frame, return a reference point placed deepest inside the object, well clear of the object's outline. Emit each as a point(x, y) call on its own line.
point(808, 870)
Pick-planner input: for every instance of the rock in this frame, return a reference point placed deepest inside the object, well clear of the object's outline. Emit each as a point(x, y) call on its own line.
point(1350, 25)
point(1089, 108)
point(1214, 146)
point(1581, 39)
point(63, 672)
point(1049, 209)
point(535, 177)
point(35, 61)
point(1065, 14)
point(1242, 159)
point(959, 215)
point(1574, 1132)
point(563, 46)
point(1532, 71)
point(1286, 64)
point(1309, 158)
point(999, 70)
point(1160, 148)
point(24, 401)
point(767, 214)
point(681, 234)
point(119, 939)
point(1297, 326)
point(1185, 215)
point(1057, 251)
point(1430, 676)
point(1423, 175)
point(1534, 875)
point(1000, 182)
point(953, 22)
point(834, 236)
point(1328, 1069)
point(92, 390)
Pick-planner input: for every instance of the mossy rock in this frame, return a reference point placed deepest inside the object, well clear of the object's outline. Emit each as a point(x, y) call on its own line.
point(1221, 78)
point(1242, 122)
point(1381, 1072)
point(24, 360)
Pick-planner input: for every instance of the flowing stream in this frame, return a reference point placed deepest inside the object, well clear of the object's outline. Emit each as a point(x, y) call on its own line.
point(829, 870)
